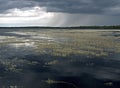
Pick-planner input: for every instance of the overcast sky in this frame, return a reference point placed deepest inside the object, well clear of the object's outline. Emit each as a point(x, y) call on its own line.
point(59, 12)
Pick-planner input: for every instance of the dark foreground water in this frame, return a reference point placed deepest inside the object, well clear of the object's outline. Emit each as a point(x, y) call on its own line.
point(21, 67)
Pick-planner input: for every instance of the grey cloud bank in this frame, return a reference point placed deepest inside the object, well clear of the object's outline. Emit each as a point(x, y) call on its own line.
point(66, 12)
point(67, 6)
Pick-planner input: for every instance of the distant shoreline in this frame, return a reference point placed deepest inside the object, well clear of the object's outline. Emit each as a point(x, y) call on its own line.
point(77, 27)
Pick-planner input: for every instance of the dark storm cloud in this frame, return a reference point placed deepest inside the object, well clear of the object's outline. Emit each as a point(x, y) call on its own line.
point(79, 6)
point(11, 4)
point(67, 6)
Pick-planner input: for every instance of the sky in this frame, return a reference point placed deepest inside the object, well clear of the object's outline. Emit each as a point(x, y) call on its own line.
point(59, 13)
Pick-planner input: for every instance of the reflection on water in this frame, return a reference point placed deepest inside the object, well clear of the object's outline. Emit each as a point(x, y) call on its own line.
point(22, 67)
point(18, 45)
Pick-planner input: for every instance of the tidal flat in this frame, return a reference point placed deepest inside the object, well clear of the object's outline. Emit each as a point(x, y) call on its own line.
point(59, 58)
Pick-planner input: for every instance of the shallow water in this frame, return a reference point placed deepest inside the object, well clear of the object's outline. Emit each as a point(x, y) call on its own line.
point(22, 67)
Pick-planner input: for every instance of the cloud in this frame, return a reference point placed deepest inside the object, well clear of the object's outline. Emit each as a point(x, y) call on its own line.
point(26, 16)
point(81, 6)
point(11, 4)
point(59, 12)
point(84, 20)
point(64, 6)
point(27, 12)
